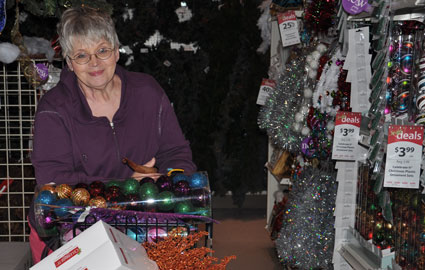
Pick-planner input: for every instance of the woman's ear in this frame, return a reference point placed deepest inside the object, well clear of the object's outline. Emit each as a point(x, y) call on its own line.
point(69, 64)
point(117, 54)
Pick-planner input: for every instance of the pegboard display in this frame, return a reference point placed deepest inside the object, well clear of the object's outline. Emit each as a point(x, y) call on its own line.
point(18, 102)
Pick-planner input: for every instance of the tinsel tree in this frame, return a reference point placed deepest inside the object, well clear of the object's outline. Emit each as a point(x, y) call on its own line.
point(277, 115)
point(306, 239)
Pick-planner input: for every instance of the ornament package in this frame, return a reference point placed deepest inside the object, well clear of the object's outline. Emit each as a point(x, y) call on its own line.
point(99, 247)
point(171, 199)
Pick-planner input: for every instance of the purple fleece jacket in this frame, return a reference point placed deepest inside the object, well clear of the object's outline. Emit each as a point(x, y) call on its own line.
point(71, 145)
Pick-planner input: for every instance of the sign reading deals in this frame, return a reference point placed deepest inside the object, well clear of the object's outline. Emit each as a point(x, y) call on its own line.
point(346, 135)
point(404, 156)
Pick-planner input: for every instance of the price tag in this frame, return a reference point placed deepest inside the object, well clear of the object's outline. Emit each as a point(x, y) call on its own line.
point(404, 156)
point(267, 86)
point(346, 135)
point(288, 27)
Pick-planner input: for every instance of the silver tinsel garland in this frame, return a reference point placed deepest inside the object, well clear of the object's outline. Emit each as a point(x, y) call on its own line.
point(277, 115)
point(306, 239)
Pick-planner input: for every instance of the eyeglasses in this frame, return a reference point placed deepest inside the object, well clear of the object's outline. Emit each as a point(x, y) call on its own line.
point(84, 58)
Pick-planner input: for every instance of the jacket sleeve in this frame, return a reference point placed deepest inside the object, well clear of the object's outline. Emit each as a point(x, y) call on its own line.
point(174, 150)
point(52, 156)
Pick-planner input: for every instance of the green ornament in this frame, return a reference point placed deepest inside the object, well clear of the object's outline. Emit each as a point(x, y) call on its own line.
point(148, 191)
point(166, 201)
point(130, 186)
point(113, 183)
point(183, 207)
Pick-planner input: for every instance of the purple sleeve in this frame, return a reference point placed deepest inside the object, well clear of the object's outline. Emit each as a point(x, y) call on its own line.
point(52, 155)
point(174, 151)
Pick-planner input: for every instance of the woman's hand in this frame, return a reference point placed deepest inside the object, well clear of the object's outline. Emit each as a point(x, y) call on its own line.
point(139, 176)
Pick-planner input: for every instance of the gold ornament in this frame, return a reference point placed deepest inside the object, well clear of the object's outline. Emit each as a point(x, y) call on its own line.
point(98, 202)
point(80, 196)
point(50, 188)
point(64, 191)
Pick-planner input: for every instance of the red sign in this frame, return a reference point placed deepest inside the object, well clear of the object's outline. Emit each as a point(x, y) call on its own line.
point(413, 134)
point(67, 256)
point(349, 118)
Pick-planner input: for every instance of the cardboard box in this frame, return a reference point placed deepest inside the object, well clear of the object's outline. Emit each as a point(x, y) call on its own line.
point(99, 247)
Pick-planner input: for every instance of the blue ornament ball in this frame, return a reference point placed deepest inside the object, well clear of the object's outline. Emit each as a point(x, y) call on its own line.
point(179, 177)
point(198, 180)
point(45, 197)
point(63, 210)
point(137, 233)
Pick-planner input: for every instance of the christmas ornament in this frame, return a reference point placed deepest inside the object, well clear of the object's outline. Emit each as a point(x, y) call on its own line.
point(148, 191)
point(183, 207)
point(146, 180)
point(137, 233)
point(164, 183)
point(112, 193)
point(45, 197)
point(156, 234)
point(63, 191)
point(80, 196)
point(50, 188)
point(179, 177)
point(113, 183)
point(200, 197)
point(64, 207)
point(98, 201)
point(182, 188)
point(198, 180)
point(133, 202)
point(117, 203)
point(96, 188)
point(130, 186)
point(178, 231)
point(165, 201)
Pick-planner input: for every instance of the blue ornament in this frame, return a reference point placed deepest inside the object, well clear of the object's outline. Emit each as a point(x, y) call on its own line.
point(63, 210)
point(180, 177)
point(137, 233)
point(45, 197)
point(198, 180)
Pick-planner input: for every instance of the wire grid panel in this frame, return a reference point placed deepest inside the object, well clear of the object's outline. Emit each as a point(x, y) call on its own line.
point(18, 102)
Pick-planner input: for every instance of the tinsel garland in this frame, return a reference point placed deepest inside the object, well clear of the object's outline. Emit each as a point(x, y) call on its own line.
point(306, 240)
point(277, 115)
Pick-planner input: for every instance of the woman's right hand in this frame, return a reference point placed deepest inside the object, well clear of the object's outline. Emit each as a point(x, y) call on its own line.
point(139, 176)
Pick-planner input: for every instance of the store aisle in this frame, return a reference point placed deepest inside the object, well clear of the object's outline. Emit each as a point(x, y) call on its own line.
point(242, 232)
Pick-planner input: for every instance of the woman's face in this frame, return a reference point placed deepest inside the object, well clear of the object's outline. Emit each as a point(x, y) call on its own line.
point(96, 73)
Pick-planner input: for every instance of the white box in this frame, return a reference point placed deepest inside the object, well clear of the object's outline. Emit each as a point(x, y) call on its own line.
point(99, 247)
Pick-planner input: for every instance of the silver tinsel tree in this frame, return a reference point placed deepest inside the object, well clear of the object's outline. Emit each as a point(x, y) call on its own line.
point(277, 115)
point(306, 239)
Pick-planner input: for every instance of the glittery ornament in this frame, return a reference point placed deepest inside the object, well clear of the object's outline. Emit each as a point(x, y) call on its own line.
point(182, 188)
point(200, 197)
point(183, 207)
point(146, 180)
point(117, 203)
point(63, 191)
point(198, 180)
point(113, 183)
point(64, 207)
point(148, 190)
point(130, 186)
point(165, 201)
point(98, 202)
point(178, 231)
point(80, 196)
point(112, 192)
point(179, 176)
point(96, 188)
point(164, 183)
point(45, 197)
point(306, 241)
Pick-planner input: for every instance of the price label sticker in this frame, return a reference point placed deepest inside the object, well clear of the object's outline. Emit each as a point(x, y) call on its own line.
point(288, 27)
point(404, 156)
point(267, 86)
point(346, 135)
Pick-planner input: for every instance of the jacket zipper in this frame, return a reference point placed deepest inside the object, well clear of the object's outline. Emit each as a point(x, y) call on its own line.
point(115, 140)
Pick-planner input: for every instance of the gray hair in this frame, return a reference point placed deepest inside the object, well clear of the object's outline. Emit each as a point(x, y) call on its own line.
point(87, 24)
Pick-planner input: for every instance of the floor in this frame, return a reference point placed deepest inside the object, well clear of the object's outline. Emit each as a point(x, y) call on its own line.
point(242, 232)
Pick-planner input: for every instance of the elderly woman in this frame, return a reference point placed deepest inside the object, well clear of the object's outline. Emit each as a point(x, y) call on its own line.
point(99, 113)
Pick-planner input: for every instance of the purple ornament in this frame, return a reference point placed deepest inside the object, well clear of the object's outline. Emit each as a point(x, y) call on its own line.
point(164, 183)
point(182, 188)
point(200, 197)
point(146, 180)
point(356, 7)
point(47, 220)
point(42, 71)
